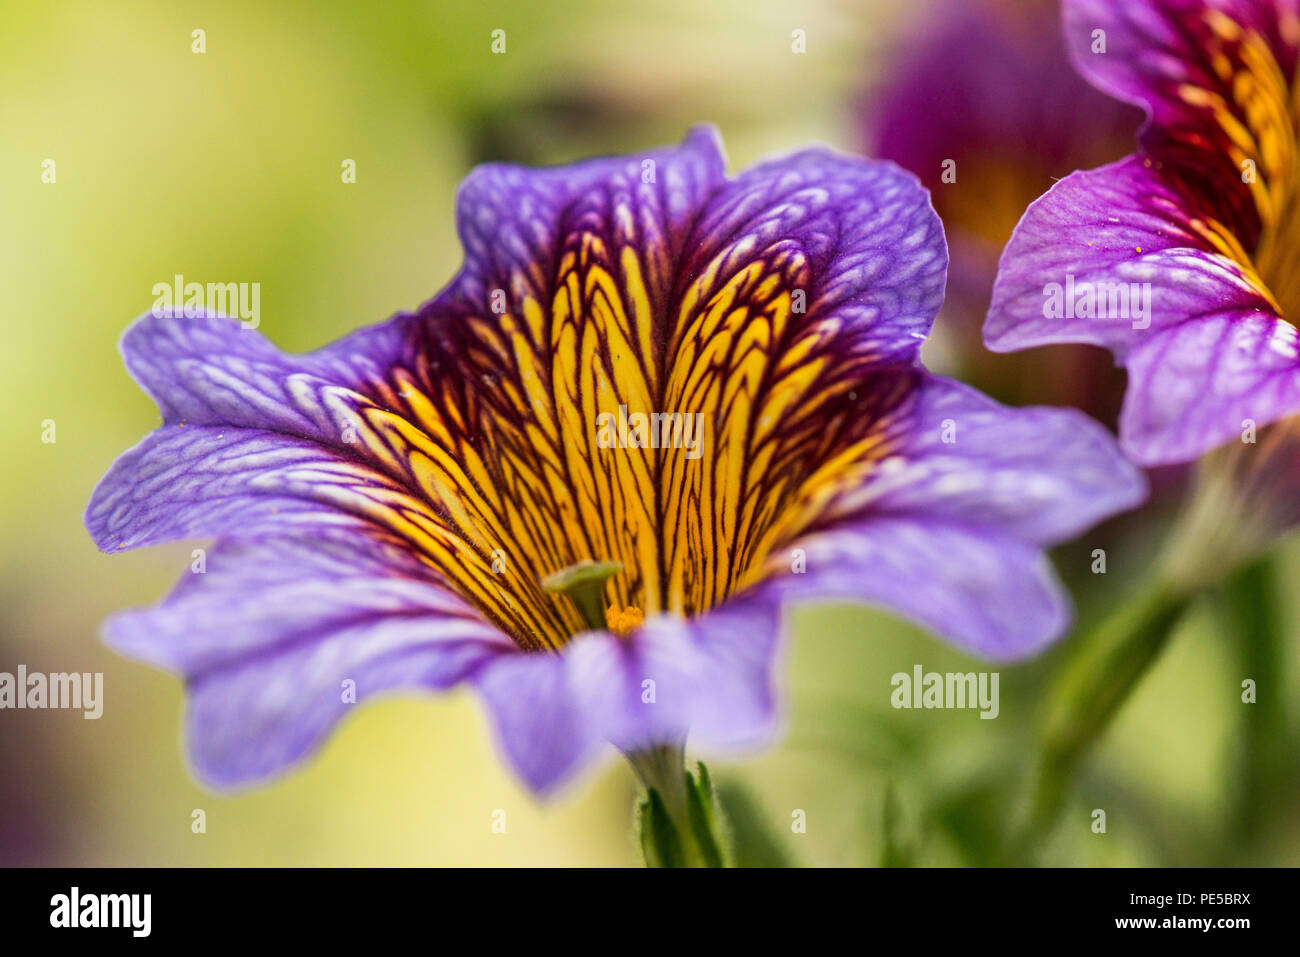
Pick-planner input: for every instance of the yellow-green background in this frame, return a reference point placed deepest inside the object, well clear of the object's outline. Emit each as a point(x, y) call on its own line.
point(226, 166)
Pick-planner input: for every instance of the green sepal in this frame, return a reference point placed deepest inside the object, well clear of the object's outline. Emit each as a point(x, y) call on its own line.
point(661, 845)
point(706, 821)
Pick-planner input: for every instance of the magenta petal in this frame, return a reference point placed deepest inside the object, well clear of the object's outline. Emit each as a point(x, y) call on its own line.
point(1211, 349)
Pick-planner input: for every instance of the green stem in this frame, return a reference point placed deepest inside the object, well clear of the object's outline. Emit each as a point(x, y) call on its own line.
point(1104, 668)
point(1250, 605)
point(663, 770)
point(678, 820)
point(1213, 535)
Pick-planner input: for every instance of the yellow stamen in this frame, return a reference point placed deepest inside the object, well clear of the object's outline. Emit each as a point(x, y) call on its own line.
point(623, 621)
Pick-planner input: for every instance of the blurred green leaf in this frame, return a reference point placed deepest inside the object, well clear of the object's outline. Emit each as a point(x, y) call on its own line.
point(897, 852)
point(753, 843)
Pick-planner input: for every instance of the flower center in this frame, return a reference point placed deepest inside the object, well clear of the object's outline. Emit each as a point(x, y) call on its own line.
point(584, 583)
point(1257, 132)
point(1278, 259)
point(687, 433)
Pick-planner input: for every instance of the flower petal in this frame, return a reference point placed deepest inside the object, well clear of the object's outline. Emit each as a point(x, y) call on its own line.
point(1043, 475)
point(983, 89)
point(991, 593)
point(205, 369)
point(195, 482)
point(1114, 229)
point(1129, 233)
point(711, 676)
point(268, 634)
point(873, 247)
point(187, 482)
point(1207, 383)
point(948, 529)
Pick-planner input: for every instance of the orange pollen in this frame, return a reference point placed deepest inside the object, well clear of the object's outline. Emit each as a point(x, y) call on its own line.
point(623, 621)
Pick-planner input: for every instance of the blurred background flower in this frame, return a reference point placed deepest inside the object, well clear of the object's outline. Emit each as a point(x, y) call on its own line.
point(981, 102)
point(226, 166)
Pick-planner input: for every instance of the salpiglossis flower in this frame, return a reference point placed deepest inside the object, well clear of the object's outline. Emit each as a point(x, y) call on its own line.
point(1204, 216)
point(391, 508)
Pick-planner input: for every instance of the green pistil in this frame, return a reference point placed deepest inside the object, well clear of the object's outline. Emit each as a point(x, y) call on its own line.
point(584, 585)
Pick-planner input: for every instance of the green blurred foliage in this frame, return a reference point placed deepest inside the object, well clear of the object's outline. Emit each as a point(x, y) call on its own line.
point(227, 164)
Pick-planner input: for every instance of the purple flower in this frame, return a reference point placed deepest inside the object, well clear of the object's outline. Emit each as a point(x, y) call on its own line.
point(1181, 259)
point(387, 507)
